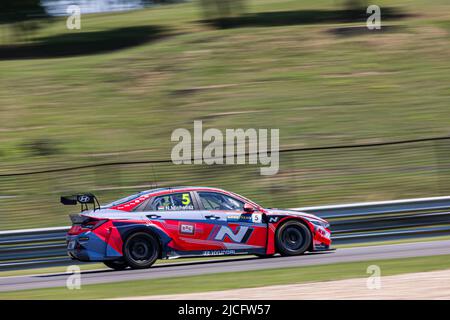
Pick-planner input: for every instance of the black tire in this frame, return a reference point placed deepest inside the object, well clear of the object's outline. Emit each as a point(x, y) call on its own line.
point(140, 250)
point(292, 238)
point(116, 264)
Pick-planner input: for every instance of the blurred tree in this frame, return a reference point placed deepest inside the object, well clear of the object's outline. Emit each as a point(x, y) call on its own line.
point(355, 9)
point(356, 4)
point(12, 11)
point(21, 15)
point(41, 147)
point(150, 2)
point(221, 9)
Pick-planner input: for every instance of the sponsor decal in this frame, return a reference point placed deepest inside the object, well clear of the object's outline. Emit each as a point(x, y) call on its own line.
point(239, 217)
point(257, 218)
point(187, 228)
point(218, 252)
point(254, 218)
point(273, 219)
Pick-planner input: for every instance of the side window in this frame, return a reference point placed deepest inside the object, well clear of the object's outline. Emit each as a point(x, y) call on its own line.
point(173, 202)
point(141, 207)
point(217, 201)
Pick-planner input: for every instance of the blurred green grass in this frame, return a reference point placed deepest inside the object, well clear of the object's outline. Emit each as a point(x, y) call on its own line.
point(317, 87)
point(235, 280)
point(101, 266)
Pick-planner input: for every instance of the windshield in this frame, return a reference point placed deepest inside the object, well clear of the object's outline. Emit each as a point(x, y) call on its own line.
point(247, 200)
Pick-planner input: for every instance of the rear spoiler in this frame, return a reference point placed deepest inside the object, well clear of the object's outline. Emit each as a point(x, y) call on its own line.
point(78, 219)
point(83, 199)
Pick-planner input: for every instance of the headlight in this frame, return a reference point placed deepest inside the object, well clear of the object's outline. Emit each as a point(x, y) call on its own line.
point(325, 225)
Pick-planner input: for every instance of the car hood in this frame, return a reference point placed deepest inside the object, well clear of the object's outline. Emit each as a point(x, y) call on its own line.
point(278, 212)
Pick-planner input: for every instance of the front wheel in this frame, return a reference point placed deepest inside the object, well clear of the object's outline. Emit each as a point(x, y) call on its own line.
point(292, 238)
point(116, 264)
point(141, 250)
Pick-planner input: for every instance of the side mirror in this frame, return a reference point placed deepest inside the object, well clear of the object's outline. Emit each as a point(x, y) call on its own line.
point(248, 208)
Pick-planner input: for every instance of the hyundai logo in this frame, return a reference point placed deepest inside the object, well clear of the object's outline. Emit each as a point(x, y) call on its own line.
point(84, 199)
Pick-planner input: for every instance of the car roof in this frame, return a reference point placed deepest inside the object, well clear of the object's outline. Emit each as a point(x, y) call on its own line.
point(158, 190)
point(162, 191)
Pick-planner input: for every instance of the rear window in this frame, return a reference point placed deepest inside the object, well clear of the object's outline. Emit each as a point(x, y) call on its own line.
point(124, 200)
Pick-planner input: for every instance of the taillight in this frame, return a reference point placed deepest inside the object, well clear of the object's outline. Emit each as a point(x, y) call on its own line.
point(92, 224)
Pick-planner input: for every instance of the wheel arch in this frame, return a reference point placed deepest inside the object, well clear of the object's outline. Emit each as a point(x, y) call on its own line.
point(283, 221)
point(145, 229)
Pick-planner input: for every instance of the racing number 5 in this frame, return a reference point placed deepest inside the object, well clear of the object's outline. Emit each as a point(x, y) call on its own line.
point(186, 199)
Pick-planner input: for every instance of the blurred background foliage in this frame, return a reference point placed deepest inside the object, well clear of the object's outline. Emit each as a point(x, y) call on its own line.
point(116, 89)
point(22, 17)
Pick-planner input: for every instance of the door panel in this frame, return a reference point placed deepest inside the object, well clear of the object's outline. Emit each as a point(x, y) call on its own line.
point(234, 228)
point(203, 231)
point(183, 227)
point(176, 214)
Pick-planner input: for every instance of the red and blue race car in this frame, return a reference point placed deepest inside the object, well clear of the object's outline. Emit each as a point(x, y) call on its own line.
point(185, 222)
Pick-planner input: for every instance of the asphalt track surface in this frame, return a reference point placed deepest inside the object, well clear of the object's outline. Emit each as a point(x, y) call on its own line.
point(406, 250)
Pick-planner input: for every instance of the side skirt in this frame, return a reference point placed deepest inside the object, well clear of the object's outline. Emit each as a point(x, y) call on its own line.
point(212, 253)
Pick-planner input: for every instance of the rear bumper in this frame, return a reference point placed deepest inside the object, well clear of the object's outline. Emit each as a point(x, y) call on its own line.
point(86, 247)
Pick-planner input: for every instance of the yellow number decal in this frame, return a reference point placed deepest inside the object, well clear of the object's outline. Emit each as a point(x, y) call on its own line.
point(186, 199)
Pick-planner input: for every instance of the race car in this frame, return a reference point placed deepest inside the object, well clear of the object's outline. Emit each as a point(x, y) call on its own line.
point(165, 223)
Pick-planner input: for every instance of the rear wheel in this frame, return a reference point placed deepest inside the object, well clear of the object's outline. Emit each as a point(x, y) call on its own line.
point(116, 264)
point(141, 250)
point(292, 238)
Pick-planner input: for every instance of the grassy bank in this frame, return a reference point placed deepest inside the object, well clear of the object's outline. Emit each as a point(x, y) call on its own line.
point(298, 76)
point(115, 91)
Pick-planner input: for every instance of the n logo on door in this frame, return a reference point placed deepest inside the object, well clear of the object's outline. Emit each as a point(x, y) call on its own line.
point(242, 234)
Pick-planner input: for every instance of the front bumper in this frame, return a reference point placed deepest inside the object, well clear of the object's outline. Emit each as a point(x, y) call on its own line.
point(322, 247)
point(321, 239)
